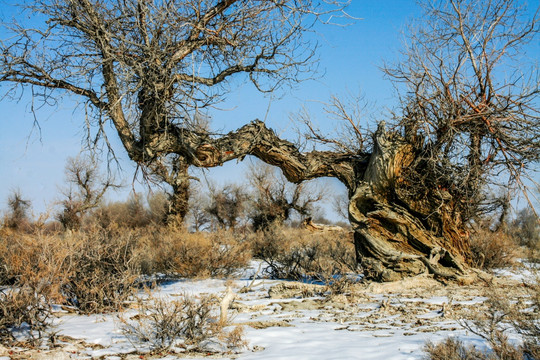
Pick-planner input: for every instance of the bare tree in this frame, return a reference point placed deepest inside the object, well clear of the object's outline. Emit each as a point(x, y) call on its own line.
point(275, 199)
point(148, 66)
point(470, 101)
point(18, 207)
point(198, 217)
point(227, 205)
point(151, 67)
point(87, 186)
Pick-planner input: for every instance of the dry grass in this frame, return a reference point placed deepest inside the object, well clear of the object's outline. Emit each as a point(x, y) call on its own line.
point(492, 250)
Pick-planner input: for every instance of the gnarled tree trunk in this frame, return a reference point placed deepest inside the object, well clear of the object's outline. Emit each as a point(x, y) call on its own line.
point(396, 234)
point(393, 240)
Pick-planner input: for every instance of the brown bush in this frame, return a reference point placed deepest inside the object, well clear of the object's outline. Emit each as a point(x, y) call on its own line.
point(183, 322)
point(200, 254)
point(26, 310)
point(31, 270)
point(35, 261)
point(130, 214)
point(94, 271)
point(452, 349)
point(102, 269)
point(99, 269)
point(165, 323)
point(297, 253)
point(493, 250)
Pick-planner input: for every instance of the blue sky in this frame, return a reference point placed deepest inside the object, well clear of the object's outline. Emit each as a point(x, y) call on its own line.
point(349, 61)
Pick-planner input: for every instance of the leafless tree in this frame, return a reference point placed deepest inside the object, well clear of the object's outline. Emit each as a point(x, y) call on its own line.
point(87, 186)
point(150, 67)
point(18, 207)
point(274, 198)
point(227, 205)
point(470, 102)
point(147, 67)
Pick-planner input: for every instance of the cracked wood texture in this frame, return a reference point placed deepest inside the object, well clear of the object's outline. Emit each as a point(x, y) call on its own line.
point(148, 67)
point(392, 238)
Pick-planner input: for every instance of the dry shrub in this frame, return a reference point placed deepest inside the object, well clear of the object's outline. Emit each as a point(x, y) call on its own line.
point(31, 269)
point(493, 323)
point(99, 269)
point(452, 349)
point(235, 338)
point(130, 214)
point(26, 311)
point(94, 271)
point(164, 323)
point(218, 254)
point(297, 253)
point(33, 261)
point(185, 322)
point(102, 269)
point(491, 250)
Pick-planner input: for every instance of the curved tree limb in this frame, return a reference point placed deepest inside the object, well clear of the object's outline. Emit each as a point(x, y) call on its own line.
point(258, 140)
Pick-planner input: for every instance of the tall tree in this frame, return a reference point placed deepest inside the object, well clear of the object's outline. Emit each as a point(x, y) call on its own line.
point(146, 66)
point(150, 66)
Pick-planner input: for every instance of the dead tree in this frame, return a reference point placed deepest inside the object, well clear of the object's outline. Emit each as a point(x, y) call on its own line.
point(275, 199)
point(85, 192)
point(146, 66)
point(150, 67)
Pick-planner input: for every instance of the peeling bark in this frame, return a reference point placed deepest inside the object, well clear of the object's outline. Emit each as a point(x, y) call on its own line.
point(394, 234)
point(391, 240)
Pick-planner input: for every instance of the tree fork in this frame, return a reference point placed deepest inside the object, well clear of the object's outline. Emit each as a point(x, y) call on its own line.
point(391, 239)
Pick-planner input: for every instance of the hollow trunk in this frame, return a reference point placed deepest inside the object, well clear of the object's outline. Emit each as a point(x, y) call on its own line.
point(394, 234)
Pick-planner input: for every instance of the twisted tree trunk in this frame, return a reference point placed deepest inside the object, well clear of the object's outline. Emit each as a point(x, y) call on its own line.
point(392, 238)
point(396, 234)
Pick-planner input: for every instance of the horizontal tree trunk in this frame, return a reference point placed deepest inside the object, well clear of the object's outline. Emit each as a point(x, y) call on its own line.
point(395, 236)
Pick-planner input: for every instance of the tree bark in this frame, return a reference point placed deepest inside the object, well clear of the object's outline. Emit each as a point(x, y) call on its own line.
point(396, 234)
point(174, 172)
point(392, 238)
point(179, 199)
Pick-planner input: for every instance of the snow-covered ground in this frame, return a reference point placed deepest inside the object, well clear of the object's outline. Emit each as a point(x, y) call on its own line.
point(376, 321)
